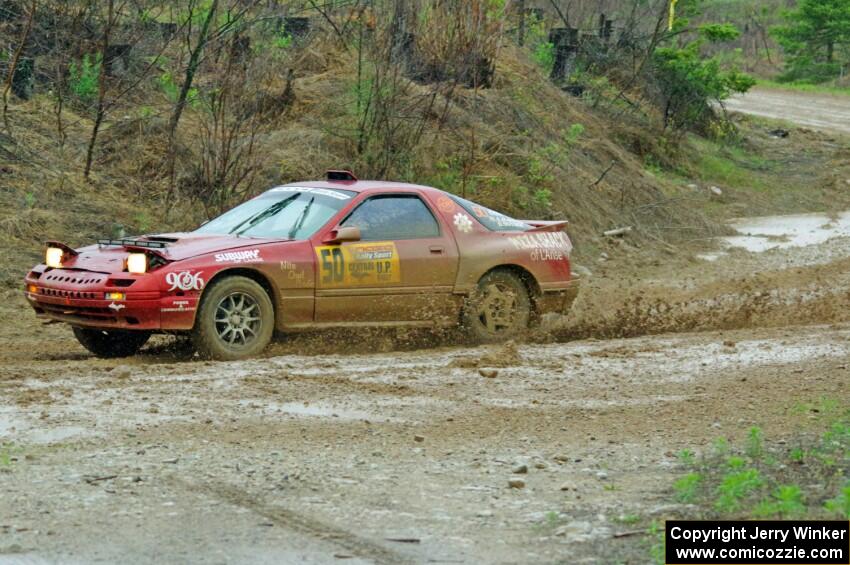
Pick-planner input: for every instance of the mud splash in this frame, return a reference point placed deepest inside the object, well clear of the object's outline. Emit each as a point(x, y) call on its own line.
point(816, 294)
point(813, 295)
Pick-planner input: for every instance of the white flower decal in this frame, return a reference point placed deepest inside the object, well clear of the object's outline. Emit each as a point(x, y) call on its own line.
point(463, 223)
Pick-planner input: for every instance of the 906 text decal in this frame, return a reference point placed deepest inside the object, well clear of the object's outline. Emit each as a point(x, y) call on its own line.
point(185, 280)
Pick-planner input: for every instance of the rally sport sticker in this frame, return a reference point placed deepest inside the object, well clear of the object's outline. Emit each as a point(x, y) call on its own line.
point(362, 264)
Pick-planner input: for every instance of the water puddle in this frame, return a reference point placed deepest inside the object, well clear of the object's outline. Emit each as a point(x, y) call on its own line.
point(15, 428)
point(56, 435)
point(761, 234)
point(324, 410)
point(9, 425)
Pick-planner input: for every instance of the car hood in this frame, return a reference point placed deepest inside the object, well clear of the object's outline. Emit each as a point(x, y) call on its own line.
point(175, 247)
point(185, 245)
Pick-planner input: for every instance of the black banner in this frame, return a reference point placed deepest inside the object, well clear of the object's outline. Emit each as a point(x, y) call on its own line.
point(764, 542)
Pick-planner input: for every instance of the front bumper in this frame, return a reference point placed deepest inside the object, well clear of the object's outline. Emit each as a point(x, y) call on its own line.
point(80, 300)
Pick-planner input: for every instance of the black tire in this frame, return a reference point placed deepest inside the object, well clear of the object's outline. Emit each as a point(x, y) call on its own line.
point(235, 320)
point(499, 309)
point(110, 344)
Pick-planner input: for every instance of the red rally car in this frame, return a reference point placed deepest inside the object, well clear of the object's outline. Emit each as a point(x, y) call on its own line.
point(334, 253)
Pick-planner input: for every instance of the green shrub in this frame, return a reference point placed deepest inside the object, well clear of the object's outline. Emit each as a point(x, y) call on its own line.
point(786, 502)
point(172, 90)
point(543, 197)
point(542, 50)
point(721, 446)
point(735, 462)
point(544, 55)
point(735, 487)
point(84, 77)
point(686, 456)
point(755, 443)
point(841, 503)
point(655, 532)
point(687, 82)
point(686, 487)
point(283, 41)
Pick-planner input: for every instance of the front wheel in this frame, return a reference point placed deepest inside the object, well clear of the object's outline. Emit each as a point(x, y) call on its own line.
point(499, 309)
point(235, 320)
point(112, 343)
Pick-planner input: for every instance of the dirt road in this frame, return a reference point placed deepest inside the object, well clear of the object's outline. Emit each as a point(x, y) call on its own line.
point(327, 450)
point(817, 111)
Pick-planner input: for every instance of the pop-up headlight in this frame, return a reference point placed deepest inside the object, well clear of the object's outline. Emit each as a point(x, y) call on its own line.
point(137, 263)
point(53, 257)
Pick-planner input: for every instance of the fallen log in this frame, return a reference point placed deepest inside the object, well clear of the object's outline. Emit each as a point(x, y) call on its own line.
point(617, 232)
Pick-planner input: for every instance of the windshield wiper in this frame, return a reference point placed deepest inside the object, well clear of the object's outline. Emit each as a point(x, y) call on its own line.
point(264, 214)
point(300, 221)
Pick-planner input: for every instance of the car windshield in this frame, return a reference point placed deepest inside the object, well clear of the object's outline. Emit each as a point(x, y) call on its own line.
point(490, 219)
point(286, 212)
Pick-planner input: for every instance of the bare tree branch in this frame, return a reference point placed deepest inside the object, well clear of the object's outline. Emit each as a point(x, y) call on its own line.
point(14, 65)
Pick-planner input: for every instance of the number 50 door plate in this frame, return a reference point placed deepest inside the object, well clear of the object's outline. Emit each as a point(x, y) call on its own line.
point(359, 264)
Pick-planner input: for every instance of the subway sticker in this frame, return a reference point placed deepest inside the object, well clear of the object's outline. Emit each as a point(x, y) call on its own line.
point(249, 256)
point(360, 264)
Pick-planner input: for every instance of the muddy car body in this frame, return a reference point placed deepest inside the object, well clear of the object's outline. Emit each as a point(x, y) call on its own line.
point(332, 253)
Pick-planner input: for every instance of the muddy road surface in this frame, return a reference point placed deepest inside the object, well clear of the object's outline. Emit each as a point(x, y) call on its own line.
point(816, 111)
point(392, 449)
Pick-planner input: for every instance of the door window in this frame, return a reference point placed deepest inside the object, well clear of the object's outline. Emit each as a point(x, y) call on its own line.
point(396, 216)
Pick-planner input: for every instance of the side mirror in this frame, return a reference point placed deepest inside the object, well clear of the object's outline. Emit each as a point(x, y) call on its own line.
point(343, 234)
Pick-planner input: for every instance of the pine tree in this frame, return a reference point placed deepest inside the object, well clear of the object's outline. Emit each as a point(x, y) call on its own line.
point(816, 39)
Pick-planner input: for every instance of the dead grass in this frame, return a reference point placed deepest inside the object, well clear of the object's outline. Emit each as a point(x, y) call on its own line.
point(513, 147)
point(489, 144)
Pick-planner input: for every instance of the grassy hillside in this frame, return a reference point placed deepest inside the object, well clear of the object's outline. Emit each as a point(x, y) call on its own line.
point(520, 144)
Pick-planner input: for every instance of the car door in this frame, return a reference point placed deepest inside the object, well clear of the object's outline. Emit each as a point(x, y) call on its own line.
point(401, 271)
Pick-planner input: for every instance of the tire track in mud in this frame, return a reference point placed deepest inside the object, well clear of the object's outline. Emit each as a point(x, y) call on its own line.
point(295, 521)
point(270, 384)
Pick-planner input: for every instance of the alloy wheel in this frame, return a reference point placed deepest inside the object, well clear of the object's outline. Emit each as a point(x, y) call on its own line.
point(497, 307)
point(237, 319)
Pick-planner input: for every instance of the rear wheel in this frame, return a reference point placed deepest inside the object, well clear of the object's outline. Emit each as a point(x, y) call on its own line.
point(235, 320)
point(499, 308)
point(111, 343)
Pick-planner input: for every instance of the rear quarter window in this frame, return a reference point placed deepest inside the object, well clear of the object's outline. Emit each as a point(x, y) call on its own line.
point(490, 219)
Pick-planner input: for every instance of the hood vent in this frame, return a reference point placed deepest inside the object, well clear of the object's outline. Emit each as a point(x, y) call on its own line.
point(162, 238)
